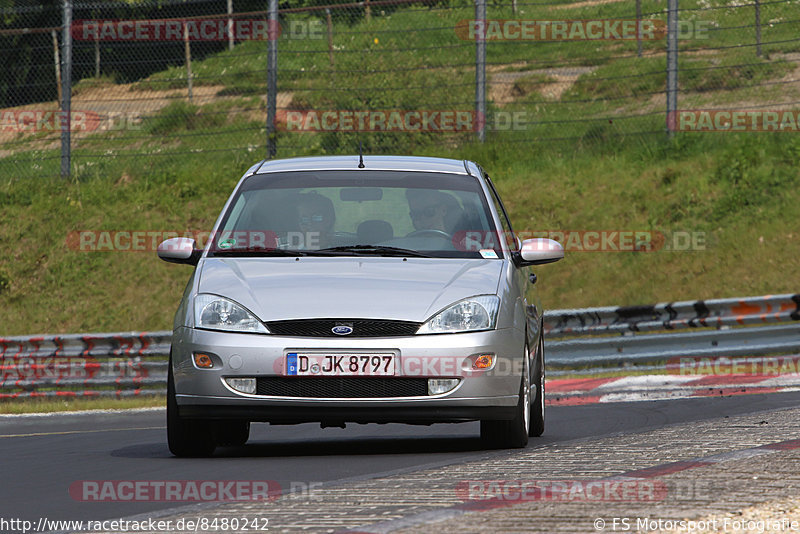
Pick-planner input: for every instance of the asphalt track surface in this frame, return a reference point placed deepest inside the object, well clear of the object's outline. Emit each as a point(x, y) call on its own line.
point(40, 457)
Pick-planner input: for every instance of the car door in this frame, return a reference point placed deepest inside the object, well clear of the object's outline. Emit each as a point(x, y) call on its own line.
point(524, 278)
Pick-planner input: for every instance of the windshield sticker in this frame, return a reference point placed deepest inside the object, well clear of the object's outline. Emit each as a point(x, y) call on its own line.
point(487, 253)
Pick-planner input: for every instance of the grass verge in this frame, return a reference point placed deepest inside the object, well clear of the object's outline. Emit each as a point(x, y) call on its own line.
point(30, 406)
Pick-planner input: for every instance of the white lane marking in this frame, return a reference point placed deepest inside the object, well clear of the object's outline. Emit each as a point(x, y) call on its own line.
point(81, 412)
point(80, 432)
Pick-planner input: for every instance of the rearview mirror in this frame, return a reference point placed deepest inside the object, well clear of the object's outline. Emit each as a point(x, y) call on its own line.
point(361, 194)
point(539, 251)
point(179, 250)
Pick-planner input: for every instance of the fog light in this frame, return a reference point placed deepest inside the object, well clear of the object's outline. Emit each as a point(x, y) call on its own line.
point(243, 385)
point(203, 361)
point(437, 386)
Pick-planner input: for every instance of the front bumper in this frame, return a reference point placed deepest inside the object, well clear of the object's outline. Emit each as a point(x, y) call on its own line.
point(490, 394)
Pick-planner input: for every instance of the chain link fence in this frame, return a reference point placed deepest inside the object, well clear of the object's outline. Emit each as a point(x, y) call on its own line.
point(194, 79)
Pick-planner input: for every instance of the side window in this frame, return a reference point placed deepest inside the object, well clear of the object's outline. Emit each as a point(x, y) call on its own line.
point(508, 233)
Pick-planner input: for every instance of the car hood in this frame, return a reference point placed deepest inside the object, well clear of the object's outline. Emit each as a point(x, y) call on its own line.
point(409, 289)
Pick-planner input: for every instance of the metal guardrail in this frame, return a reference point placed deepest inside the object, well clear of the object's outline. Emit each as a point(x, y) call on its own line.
point(84, 365)
point(673, 315)
point(135, 363)
point(674, 345)
point(610, 339)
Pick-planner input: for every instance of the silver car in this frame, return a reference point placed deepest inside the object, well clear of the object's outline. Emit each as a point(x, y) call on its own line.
point(363, 290)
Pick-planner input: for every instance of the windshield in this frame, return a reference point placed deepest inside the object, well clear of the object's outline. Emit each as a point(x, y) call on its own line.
point(388, 213)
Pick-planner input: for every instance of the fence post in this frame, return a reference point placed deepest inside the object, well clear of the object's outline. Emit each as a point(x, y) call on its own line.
point(639, 28)
point(57, 60)
point(66, 89)
point(96, 55)
point(672, 63)
point(758, 27)
point(188, 53)
point(272, 76)
point(330, 34)
point(230, 25)
point(367, 10)
point(480, 69)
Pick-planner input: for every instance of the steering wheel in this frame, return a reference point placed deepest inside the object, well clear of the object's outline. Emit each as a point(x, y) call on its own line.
point(430, 232)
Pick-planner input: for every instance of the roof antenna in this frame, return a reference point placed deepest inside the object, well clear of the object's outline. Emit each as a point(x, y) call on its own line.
point(360, 157)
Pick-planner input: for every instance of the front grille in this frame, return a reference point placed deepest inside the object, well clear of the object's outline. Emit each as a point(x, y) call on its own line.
point(336, 387)
point(361, 327)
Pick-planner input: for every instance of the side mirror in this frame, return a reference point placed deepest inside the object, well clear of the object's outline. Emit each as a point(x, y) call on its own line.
point(539, 251)
point(179, 250)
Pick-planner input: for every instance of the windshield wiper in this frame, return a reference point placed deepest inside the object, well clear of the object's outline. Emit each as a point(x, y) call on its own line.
point(347, 250)
point(257, 252)
point(377, 250)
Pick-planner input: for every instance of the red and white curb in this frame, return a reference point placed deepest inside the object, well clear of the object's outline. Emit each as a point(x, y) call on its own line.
point(575, 391)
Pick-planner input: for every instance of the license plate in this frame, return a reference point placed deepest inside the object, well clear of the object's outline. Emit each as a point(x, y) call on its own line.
point(319, 364)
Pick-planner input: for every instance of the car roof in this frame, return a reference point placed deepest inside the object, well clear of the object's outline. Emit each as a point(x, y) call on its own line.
point(384, 163)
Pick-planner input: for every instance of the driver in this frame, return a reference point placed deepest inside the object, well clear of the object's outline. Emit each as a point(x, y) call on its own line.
point(316, 217)
point(428, 209)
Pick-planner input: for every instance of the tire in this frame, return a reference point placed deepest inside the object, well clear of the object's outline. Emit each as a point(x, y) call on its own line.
point(536, 427)
point(186, 437)
point(233, 433)
point(513, 433)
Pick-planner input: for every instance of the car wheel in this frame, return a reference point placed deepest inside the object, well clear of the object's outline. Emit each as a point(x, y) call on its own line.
point(536, 427)
point(186, 437)
point(513, 433)
point(233, 433)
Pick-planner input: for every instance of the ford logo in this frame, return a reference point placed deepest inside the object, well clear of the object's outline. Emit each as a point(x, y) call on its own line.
point(342, 330)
